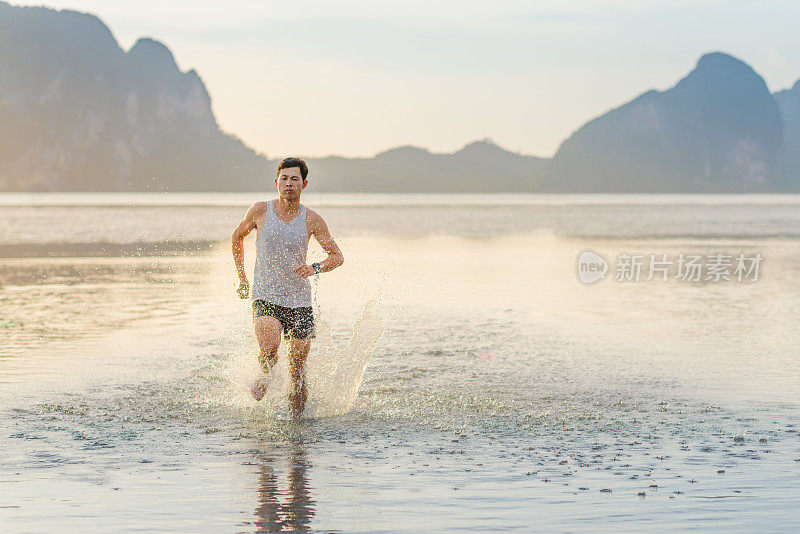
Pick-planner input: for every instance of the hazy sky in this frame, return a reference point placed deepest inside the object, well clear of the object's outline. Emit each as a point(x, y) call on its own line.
point(354, 78)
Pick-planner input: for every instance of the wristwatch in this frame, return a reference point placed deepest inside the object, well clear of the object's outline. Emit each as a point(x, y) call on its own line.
point(317, 268)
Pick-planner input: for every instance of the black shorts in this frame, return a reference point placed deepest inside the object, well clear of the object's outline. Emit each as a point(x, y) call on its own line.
point(296, 322)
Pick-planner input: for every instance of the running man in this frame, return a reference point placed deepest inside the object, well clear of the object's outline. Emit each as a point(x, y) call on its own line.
point(281, 289)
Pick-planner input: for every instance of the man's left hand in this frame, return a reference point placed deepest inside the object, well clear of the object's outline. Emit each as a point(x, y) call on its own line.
point(304, 270)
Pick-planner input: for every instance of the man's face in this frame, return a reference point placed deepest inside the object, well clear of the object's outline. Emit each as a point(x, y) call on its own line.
point(290, 183)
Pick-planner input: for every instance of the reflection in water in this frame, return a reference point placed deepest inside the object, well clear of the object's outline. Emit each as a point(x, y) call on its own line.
point(47, 299)
point(295, 513)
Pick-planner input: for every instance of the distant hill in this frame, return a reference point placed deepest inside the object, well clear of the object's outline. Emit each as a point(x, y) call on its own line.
point(78, 113)
point(718, 130)
point(789, 102)
point(481, 166)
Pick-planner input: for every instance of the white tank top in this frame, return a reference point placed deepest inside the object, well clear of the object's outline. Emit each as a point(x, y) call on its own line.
point(280, 247)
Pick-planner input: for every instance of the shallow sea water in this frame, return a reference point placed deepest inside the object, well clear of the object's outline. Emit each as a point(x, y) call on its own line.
point(499, 393)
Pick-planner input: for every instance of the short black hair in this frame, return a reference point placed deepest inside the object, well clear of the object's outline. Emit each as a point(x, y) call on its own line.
point(288, 163)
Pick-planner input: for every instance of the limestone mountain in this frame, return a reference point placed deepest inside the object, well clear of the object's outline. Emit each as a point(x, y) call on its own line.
point(79, 113)
point(718, 130)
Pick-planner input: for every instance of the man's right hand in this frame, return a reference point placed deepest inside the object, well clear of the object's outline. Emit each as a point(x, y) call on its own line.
point(244, 289)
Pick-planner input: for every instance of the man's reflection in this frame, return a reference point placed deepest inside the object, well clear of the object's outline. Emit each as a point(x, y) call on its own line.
point(295, 513)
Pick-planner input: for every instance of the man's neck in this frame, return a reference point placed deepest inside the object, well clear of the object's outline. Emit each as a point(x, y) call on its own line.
point(287, 205)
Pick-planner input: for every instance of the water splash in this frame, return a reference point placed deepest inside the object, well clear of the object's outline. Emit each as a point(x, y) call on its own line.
point(334, 371)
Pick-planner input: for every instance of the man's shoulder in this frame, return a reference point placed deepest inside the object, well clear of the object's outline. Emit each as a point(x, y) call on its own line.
point(312, 215)
point(261, 205)
point(314, 220)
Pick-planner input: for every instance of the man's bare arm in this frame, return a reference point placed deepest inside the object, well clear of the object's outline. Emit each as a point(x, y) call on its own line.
point(323, 236)
point(247, 225)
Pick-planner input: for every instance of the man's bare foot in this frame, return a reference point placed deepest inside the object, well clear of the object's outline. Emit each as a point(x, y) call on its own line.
point(259, 388)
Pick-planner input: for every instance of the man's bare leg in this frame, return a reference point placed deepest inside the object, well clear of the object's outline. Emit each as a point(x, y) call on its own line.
point(298, 352)
point(268, 334)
